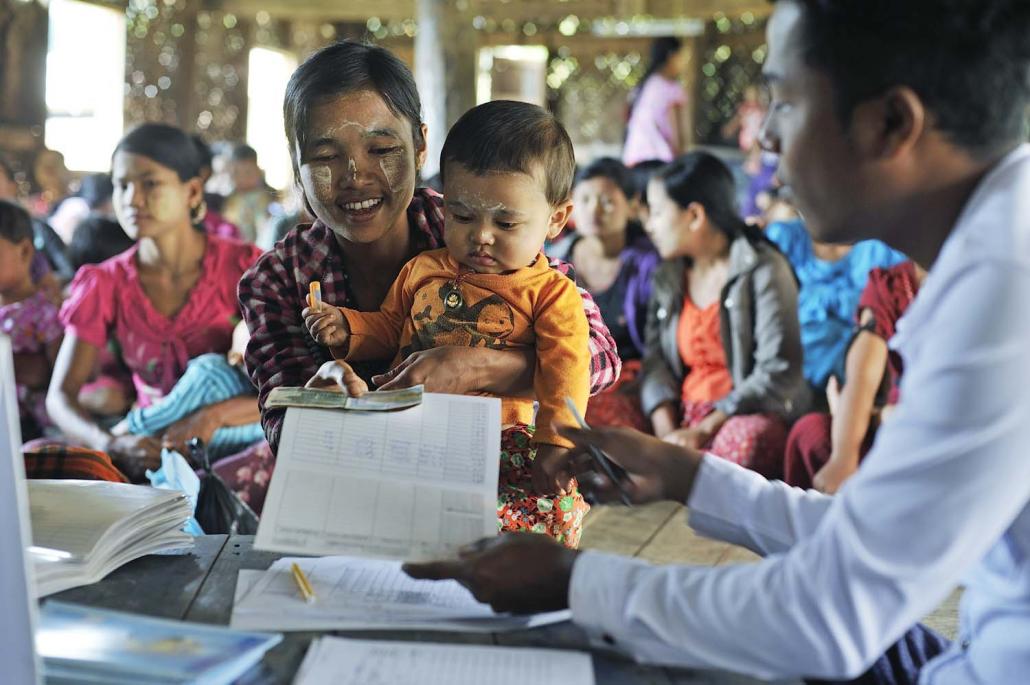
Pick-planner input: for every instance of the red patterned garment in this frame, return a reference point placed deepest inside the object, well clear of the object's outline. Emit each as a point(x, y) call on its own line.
point(520, 509)
point(273, 293)
point(888, 294)
point(619, 405)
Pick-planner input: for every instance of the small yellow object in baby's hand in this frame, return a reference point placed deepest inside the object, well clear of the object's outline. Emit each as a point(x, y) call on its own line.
point(315, 298)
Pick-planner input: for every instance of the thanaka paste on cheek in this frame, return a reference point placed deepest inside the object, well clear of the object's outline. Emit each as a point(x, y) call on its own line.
point(320, 179)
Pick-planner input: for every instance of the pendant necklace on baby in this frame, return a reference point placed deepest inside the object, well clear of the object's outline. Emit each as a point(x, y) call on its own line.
point(452, 299)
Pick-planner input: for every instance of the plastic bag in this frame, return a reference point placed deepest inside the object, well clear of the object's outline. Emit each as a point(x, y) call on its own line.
point(176, 474)
point(220, 511)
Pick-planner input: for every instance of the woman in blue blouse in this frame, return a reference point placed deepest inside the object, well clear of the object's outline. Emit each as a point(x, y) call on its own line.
point(832, 278)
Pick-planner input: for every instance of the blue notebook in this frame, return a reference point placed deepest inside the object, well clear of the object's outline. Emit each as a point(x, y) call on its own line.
point(85, 645)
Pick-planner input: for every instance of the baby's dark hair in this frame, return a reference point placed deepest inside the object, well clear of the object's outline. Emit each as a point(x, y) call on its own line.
point(15, 223)
point(97, 239)
point(509, 136)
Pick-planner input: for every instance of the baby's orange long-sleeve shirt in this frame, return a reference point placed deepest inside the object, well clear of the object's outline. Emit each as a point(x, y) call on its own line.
point(435, 301)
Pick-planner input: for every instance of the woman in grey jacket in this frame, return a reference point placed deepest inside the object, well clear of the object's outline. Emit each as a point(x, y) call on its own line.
point(723, 364)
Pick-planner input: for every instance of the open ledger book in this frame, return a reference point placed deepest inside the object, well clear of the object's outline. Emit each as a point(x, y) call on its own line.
point(82, 530)
point(412, 484)
point(365, 594)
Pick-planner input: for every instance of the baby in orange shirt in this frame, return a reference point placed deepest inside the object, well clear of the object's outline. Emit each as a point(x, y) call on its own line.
point(507, 171)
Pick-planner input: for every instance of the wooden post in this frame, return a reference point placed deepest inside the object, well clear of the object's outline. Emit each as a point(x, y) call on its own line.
point(23, 48)
point(445, 69)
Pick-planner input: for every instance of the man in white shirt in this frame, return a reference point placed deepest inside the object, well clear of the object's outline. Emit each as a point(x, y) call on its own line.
point(900, 120)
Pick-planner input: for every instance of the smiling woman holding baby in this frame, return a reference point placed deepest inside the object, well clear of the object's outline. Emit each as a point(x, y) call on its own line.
point(353, 120)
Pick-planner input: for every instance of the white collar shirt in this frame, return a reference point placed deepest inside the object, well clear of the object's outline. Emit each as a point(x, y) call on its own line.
point(942, 499)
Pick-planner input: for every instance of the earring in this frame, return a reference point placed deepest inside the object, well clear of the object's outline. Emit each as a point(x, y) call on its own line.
point(198, 213)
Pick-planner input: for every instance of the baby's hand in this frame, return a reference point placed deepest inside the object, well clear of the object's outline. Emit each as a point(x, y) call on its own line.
point(551, 472)
point(327, 326)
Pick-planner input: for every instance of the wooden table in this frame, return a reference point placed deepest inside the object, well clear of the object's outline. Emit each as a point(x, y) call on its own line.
point(199, 587)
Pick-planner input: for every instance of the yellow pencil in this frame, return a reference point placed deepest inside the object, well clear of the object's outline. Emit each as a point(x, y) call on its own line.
point(306, 591)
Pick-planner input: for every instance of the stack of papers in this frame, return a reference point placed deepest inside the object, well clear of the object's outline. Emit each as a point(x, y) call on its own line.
point(365, 594)
point(360, 662)
point(83, 530)
point(81, 644)
point(415, 484)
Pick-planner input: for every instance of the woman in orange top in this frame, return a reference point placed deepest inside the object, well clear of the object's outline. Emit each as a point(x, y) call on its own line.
point(722, 369)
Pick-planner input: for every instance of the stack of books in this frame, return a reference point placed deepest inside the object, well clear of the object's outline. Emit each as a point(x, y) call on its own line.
point(83, 530)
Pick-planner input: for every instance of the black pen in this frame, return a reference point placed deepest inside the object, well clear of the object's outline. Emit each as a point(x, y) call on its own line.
point(615, 473)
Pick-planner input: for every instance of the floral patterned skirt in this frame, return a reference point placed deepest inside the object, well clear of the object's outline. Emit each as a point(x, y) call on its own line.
point(520, 509)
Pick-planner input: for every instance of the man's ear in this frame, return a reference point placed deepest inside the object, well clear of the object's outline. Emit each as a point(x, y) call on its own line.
point(889, 125)
point(560, 214)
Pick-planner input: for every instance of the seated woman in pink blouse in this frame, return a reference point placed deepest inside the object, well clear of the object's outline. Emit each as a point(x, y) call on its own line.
point(168, 299)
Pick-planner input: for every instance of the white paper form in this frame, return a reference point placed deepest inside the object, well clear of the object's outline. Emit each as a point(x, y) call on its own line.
point(367, 662)
point(354, 594)
point(412, 484)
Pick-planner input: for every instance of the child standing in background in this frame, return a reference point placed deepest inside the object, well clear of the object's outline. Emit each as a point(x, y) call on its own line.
point(507, 171)
point(28, 317)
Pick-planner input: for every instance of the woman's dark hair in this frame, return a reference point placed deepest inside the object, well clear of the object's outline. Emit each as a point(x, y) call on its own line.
point(643, 172)
point(612, 169)
point(167, 145)
point(96, 190)
point(345, 67)
point(662, 49)
point(15, 223)
point(703, 178)
point(968, 60)
point(96, 239)
point(241, 152)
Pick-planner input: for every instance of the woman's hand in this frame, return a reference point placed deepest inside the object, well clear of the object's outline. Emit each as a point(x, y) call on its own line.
point(447, 369)
point(200, 424)
point(327, 326)
point(657, 470)
point(551, 472)
point(697, 437)
point(134, 454)
point(690, 438)
point(832, 475)
point(338, 376)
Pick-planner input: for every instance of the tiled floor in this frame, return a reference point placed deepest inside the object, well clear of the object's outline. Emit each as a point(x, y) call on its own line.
point(659, 533)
